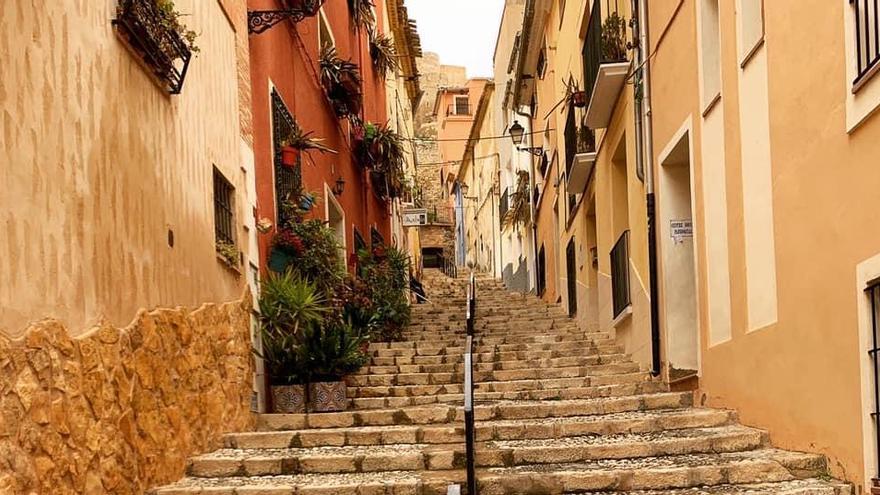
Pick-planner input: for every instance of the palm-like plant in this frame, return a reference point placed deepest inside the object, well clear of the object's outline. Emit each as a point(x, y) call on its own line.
point(303, 141)
point(283, 358)
point(383, 53)
point(289, 304)
point(362, 13)
point(333, 351)
point(341, 80)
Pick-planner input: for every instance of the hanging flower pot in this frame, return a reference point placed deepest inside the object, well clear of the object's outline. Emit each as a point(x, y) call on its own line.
point(328, 396)
point(308, 7)
point(579, 99)
point(288, 399)
point(289, 156)
point(307, 202)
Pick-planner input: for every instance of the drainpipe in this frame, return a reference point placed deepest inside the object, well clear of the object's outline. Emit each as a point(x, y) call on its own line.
point(532, 205)
point(648, 164)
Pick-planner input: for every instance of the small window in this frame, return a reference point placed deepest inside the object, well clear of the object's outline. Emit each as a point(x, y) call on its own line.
point(325, 34)
point(710, 42)
point(542, 64)
point(751, 26)
point(224, 208)
point(867, 26)
point(462, 105)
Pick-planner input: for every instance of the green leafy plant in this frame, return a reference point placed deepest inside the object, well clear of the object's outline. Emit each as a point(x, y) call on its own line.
point(333, 351)
point(613, 38)
point(380, 149)
point(289, 303)
point(170, 20)
point(283, 358)
point(341, 80)
point(384, 273)
point(228, 252)
point(362, 13)
point(311, 252)
point(303, 141)
point(519, 212)
point(383, 53)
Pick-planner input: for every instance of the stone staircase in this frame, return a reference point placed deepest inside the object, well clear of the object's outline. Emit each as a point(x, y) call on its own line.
point(558, 411)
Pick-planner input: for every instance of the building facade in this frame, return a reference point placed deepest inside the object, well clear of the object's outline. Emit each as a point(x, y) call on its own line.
point(127, 236)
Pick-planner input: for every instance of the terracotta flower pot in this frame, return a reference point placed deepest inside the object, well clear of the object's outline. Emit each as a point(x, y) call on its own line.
point(328, 397)
point(288, 399)
point(579, 99)
point(289, 156)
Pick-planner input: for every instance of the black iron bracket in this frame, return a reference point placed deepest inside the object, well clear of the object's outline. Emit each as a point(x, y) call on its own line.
point(536, 150)
point(263, 20)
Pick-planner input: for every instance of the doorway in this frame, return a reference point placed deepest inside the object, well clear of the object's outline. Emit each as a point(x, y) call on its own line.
point(335, 216)
point(571, 273)
point(678, 259)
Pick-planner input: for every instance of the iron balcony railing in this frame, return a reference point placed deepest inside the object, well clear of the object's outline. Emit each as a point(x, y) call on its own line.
point(620, 295)
point(504, 203)
point(867, 24)
point(463, 109)
point(161, 48)
point(440, 214)
point(605, 42)
point(873, 292)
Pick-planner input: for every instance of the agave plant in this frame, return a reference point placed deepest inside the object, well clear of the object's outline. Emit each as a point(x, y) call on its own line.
point(289, 304)
point(283, 358)
point(333, 351)
point(341, 80)
point(362, 13)
point(383, 53)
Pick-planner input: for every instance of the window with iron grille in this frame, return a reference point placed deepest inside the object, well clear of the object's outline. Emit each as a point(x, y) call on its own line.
point(462, 105)
point(867, 30)
point(288, 180)
point(873, 293)
point(541, 70)
point(224, 204)
point(620, 295)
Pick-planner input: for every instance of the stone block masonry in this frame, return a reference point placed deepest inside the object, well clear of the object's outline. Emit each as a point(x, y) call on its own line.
point(120, 410)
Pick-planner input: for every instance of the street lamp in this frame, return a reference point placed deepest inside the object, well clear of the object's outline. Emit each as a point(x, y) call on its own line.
point(339, 187)
point(517, 134)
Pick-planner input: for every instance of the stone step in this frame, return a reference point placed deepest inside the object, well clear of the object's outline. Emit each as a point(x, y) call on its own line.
point(497, 366)
point(538, 342)
point(501, 410)
point(599, 391)
point(417, 456)
point(578, 345)
point(442, 378)
point(810, 486)
point(496, 356)
point(661, 474)
point(497, 386)
point(521, 429)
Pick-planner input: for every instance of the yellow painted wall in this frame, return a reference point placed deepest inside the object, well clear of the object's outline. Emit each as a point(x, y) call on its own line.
point(98, 164)
point(801, 377)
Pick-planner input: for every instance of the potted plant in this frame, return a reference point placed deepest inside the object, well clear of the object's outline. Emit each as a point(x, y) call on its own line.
point(308, 7)
point(341, 81)
point(383, 53)
point(579, 99)
point(362, 13)
point(331, 352)
point(282, 357)
point(298, 141)
point(613, 39)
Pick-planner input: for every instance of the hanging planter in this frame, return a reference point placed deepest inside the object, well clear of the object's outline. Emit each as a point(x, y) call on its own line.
point(289, 156)
point(341, 80)
point(579, 99)
point(308, 7)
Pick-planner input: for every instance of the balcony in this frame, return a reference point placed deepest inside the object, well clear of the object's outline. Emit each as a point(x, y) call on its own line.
point(441, 215)
point(605, 65)
point(580, 154)
point(151, 35)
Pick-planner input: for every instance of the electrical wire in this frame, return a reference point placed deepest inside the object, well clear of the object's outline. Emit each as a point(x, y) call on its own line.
point(487, 138)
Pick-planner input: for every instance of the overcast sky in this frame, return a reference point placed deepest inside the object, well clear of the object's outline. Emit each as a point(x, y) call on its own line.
point(463, 32)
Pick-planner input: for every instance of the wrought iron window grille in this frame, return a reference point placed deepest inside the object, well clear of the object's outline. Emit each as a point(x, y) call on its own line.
point(867, 31)
point(161, 49)
point(873, 292)
point(620, 292)
point(224, 211)
point(288, 180)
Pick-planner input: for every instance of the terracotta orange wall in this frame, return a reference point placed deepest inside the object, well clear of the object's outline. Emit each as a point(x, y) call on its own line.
point(287, 57)
point(453, 130)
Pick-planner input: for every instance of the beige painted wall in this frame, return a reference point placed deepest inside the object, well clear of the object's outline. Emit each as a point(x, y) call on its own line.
point(803, 376)
point(99, 164)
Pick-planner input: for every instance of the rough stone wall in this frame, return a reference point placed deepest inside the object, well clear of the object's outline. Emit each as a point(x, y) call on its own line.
point(120, 410)
point(433, 76)
point(439, 236)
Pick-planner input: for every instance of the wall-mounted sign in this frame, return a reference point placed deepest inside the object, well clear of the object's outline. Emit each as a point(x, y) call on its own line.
point(681, 229)
point(414, 217)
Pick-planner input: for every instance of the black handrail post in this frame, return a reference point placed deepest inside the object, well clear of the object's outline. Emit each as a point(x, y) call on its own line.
point(469, 422)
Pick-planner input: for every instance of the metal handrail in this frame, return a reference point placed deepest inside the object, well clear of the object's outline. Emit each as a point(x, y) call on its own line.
point(469, 422)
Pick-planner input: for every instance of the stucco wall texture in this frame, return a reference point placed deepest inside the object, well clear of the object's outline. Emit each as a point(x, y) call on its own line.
point(99, 164)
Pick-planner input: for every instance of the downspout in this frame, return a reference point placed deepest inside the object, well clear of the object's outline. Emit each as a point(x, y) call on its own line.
point(648, 154)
